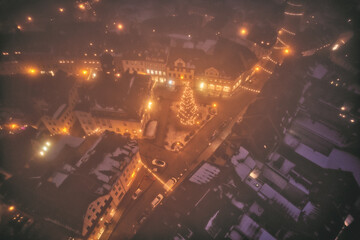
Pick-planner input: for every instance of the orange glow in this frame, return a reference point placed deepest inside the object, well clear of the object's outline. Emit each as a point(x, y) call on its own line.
point(29, 19)
point(61, 10)
point(280, 32)
point(287, 51)
point(133, 174)
point(214, 104)
point(32, 71)
point(181, 77)
point(19, 27)
point(82, 6)
point(120, 26)
point(84, 72)
point(243, 31)
point(64, 130)
point(257, 68)
point(14, 126)
point(11, 208)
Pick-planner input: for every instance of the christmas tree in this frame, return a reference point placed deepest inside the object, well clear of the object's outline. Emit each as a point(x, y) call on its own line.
point(188, 111)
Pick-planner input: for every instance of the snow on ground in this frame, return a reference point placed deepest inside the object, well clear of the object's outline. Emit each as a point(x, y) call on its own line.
point(174, 135)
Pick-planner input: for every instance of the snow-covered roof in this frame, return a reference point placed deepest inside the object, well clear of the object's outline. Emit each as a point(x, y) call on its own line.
point(286, 165)
point(242, 170)
point(204, 174)
point(58, 178)
point(321, 130)
point(67, 140)
point(310, 209)
point(337, 159)
point(234, 235)
point(299, 186)
point(237, 204)
point(59, 111)
point(207, 45)
point(275, 178)
point(106, 165)
point(252, 230)
point(89, 152)
point(291, 140)
point(290, 208)
point(243, 153)
point(210, 223)
point(256, 209)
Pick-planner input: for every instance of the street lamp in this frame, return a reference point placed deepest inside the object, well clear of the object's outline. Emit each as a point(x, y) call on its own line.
point(348, 220)
point(32, 71)
point(243, 31)
point(286, 51)
point(81, 6)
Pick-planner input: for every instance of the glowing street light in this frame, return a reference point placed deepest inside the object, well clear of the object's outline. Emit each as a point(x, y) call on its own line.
point(149, 105)
point(29, 19)
point(214, 105)
point(48, 144)
point(19, 27)
point(243, 31)
point(32, 71)
point(257, 68)
point(84, 72)
point(61, 10)
point(11, 208)
point(120, 26)
point(41, 153)
point(287, 51)
point(202, 85)
point(81, 6)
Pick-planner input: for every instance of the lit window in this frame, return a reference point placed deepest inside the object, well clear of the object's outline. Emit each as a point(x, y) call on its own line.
point(152, 72)
point(148, 71)
point(226, 89)
point(211, 86)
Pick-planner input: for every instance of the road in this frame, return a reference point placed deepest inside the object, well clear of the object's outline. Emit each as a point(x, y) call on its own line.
point(179, 164)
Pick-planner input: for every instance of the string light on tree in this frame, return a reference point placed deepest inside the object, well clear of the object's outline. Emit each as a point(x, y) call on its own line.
point(188, 111)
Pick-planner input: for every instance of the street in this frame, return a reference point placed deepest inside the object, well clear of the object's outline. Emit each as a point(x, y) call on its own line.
point(179, 164)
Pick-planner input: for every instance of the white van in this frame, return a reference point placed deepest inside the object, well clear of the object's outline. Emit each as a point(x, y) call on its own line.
point(157, 200)
point(170, 183)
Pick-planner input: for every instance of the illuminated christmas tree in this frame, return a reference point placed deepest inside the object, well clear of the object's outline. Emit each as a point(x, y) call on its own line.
point(188, 111)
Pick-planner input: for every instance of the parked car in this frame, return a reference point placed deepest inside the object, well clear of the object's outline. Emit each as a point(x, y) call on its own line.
point(223, 125)
point(213, 136)
point(170, 183)
point(141, 219)
point(157, 200)
point(158, 163)
point(136, 194)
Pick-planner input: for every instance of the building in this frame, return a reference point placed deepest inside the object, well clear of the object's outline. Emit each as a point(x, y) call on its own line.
point(151, 62)
point(121, 106)
point(60, 118)
point(81, 190)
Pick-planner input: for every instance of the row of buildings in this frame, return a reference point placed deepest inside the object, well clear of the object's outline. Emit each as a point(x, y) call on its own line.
point(78, 183)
